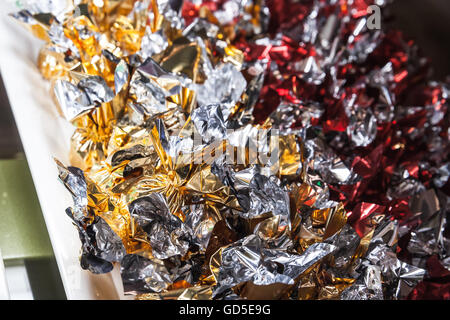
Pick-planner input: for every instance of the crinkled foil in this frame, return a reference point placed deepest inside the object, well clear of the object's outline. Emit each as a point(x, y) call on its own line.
point(253, 149)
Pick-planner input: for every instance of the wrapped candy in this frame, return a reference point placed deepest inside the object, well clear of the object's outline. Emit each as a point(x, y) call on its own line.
point(250, 149)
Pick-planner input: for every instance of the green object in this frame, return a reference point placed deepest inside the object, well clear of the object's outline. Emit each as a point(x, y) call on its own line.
point(23, 234)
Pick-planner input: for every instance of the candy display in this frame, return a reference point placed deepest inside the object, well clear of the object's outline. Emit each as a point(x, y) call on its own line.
point(250, 149)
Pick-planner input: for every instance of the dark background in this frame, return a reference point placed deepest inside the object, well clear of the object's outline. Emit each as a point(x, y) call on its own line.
point(428, 23)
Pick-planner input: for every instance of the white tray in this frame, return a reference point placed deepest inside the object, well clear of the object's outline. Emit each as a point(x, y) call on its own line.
point(45, 135)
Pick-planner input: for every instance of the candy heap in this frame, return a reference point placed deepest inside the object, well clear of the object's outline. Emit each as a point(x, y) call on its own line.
point(250, 149)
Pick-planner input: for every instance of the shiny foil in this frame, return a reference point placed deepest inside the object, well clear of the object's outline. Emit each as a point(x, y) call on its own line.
point(250, 149)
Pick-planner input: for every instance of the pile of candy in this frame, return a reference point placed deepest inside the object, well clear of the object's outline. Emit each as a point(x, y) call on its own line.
point(250, 149)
